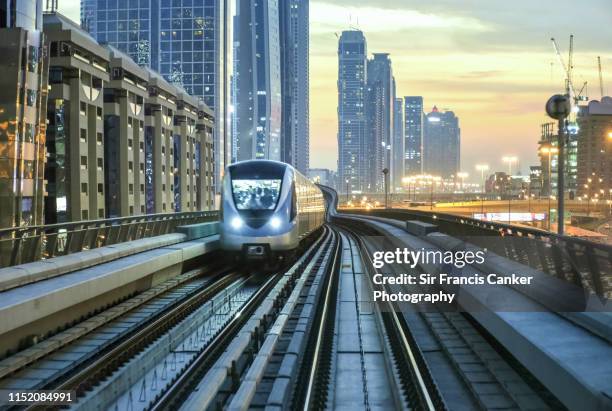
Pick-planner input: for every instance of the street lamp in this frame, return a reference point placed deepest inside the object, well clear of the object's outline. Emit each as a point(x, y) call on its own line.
point(433, 185)
point(462, 176)
point(510, 160)
point(385, 172)
point(559, 107)
point(347, 190)
point(482, 168)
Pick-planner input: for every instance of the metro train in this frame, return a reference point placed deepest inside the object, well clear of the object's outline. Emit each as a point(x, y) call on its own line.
point(267, 209)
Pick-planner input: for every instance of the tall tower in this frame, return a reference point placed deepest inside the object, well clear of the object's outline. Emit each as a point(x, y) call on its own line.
point(441, 143)
point(413, 135)
point(380, 100)
point(398, 146)
point(353, 169)
point(258, 80)
point(186, 43)
point(23, 101)
point(295, 140)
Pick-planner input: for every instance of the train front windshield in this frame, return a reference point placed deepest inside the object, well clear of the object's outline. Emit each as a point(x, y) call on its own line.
point(256, 194)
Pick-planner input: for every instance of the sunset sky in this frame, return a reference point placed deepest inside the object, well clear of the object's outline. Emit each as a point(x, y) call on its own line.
point(487, 60)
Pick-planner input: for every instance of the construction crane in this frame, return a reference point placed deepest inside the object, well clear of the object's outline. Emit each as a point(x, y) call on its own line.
point(570, 90)
point(601, 84)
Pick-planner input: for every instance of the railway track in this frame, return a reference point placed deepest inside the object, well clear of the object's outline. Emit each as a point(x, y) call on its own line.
point(305, 337)
point(460, 365)
point(68, 359)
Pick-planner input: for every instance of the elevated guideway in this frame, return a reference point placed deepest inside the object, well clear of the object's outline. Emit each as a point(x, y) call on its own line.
point(559, 328)
point(40, 298)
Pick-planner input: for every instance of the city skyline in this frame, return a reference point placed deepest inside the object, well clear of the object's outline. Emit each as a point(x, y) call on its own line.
point(496, 74)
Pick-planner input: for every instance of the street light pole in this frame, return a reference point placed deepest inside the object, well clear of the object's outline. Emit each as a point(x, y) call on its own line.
point(482, 168)
point(509, 193)
point(559, 107)
point(347, 191)
point(386, 178)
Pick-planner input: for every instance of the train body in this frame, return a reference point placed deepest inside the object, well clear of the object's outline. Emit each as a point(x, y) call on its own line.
point(267, 208)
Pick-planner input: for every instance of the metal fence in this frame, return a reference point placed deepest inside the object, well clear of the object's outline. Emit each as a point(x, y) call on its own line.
point(582, 262)
point(21, 245)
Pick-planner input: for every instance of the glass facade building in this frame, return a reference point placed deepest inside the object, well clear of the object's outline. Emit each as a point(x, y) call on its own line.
point(23, 100)
point(441, 144)
point(398, 144)
point(353, 170)
point(184, 40)
point(294, 28)
point(413, 135)
point(380, 100)
point(258, 80)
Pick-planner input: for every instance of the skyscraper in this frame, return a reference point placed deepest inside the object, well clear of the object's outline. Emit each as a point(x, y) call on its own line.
point(353, 164)
point(594, 147)
point(257, 79)
point(186, 41)
point(380, 101)
point(413, 135)
point(441, 144)
point(295, 140)
point(23, 101)
point(398, 146)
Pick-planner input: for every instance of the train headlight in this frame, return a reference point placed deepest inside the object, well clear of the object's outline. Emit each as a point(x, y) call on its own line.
point(275, 222)
point(236, 223)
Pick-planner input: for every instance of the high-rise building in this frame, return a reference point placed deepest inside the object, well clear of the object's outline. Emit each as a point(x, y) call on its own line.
point(78, 69)
point(353, 169)
point(187, 42)
point(380, 101)
point(122, 141)
point(413, 135)
point(594, 176)
point(23, 101)
point(548, 158)
point(294, 33)
point(398, 146)
point(124, 118)
point(257, 80)
point(441, 144)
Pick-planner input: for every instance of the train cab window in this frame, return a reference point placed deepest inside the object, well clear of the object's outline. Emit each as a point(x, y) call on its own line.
point(256, 194)
point(256, 186)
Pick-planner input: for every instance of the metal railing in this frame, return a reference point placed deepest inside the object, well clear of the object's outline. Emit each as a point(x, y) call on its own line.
point(585, 263)
point(21, 245)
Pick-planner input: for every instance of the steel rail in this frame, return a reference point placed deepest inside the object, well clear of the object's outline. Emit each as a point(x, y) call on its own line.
point(125, 349)
point(331, 293)
point(409, 348)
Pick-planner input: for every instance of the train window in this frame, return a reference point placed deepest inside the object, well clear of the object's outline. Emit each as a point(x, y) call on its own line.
point(293, 212)
point(259, 194)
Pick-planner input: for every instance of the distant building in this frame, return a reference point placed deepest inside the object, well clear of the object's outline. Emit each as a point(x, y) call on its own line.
point(441, 144)
point(380, 101)
point(294, 33)
point(322, 176)
point(548, 158)
point(594, 176)
point(258, 80)
point(398, 146)
point(535, 181)
point(187, 42)
point(413, 135)
point(23, 101)
point(353, 158)
point(503, 186)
